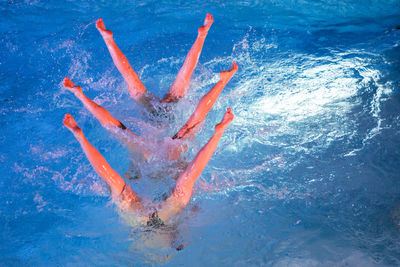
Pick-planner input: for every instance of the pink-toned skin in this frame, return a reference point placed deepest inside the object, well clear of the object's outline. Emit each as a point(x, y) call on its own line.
point(181, 84)
point(181, 194)
point(101, 114)
point(205, 104)
point(99, 164)
point(107, 121)
point(129, 200)
point(183, 189)
point(135, 86)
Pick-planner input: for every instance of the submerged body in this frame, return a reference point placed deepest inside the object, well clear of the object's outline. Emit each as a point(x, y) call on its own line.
point(122, 194)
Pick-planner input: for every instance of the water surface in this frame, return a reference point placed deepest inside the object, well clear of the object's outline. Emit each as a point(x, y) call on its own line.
point(306, 174)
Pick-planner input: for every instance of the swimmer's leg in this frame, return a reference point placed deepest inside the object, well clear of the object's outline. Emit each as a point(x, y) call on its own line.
point(182, 191)
point(181, 83)
point(103, 169)
point(98, 111)
point(135, 86)
point(205, 104)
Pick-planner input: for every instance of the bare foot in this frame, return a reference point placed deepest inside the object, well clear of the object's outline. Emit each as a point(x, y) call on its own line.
point(68, 83)
point(71, 86)
point(227, 75)
point(71, 124)
point(226, 120)
point(208, 20)
point(207, 24)
point(102, 29)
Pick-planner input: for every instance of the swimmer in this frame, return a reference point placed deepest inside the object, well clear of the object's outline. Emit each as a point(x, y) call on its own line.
point(188, 129)
point(126, 198)
point(121, 192)
point(136, 88)
point(139, 93)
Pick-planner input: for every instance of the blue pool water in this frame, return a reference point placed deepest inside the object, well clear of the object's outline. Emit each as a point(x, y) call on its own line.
point(306, 175)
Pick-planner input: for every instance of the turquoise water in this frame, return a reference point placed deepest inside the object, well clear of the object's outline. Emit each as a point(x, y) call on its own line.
point(306, 174)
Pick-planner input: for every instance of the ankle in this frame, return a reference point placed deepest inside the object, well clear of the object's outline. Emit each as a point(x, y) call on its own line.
point(220, 128)
point(107, 35)
point(202, 32)
point(78, 132)
point(225, 76)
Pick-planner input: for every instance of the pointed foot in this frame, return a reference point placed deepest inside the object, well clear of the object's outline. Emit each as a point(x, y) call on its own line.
point(102, 29)
point(100, 25)
point(71, 86)
point(71, 124)
point(203, 30)
point(208, 21)
point(227, 75)
point(226, 120)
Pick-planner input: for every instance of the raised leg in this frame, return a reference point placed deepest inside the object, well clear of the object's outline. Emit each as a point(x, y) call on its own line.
point(182, 191)
point(205, 104)
point(135, 86)
point(98, 111)
point(119, 189)
point(181, 83)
